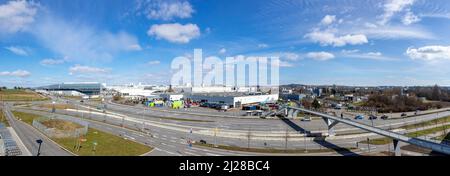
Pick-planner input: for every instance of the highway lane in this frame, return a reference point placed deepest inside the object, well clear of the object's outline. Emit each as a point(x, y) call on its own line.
point(29, 135)
point(174, 143)
point(180, 138)
point(267, 124)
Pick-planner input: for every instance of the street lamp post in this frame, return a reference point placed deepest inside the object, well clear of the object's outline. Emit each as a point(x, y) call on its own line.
point(39, 141)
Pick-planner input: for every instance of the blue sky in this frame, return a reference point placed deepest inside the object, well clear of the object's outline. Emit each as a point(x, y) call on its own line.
point(344, 42)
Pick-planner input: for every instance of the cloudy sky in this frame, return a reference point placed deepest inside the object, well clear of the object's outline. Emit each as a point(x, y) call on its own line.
point(344, 42)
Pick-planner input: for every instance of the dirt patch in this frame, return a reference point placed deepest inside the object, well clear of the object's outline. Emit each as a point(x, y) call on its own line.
point(61, 125)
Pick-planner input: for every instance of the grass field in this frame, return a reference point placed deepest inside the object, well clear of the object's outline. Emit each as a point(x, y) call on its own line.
point(385, 140)
point(107, 145)
point(57, 106)
point(428, 123)
point(25, 117)
point(20, 95)
point(3, 118)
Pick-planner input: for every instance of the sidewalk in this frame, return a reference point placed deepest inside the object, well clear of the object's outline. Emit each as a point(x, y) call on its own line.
point(25, 151)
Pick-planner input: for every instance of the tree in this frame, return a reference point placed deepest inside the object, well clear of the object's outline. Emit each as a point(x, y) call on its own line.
point(306, 103)
point(436, 93)
point(315, 104)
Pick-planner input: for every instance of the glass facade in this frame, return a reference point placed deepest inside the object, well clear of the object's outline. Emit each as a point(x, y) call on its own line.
point(85, 88)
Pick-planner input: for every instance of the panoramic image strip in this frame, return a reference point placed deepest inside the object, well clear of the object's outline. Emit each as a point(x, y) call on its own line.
point(224, 78)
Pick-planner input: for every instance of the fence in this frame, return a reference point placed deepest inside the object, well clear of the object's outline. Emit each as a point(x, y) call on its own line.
point(58, 133)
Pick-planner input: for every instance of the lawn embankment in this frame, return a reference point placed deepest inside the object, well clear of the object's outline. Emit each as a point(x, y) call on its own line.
point(3, 118)
point(20, 95)
point(98, 143)
point(107, 144)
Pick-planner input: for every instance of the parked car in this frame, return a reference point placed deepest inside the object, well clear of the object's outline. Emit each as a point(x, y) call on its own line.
point(372, 117)
point(359, 117)
point(384, 117)
point(404, 114)
point(306, 119)
point(202, 141)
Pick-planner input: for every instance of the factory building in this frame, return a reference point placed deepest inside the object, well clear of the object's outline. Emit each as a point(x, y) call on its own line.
point(235, 99)
point(90, 89)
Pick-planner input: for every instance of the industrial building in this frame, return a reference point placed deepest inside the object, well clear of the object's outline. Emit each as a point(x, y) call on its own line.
point(235, 100)
point(90, 89)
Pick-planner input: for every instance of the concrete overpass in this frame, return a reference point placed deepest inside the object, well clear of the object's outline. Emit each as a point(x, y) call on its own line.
point(331, 121)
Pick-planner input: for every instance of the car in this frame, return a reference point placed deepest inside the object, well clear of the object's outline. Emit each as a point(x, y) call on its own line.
point(404, 115)
point(359, 117)
point(372, 117)
point(306, 119)
point(384, 117)
point(202, 141)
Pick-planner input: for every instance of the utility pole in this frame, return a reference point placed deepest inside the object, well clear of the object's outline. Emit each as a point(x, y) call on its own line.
point(304, 141)
point(286, 140)
point(249, 134)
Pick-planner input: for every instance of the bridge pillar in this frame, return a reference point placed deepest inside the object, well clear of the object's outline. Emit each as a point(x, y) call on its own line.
point(285, 112)
point(397, 150)
point(290, 112)
point(330, 124)
point(295, 114)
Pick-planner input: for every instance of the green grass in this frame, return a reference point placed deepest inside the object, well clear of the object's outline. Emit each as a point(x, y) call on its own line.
point(428, 131)
point(20, 95)
point(3, 118)
point(270, 150)
point(445, 137)
point(107, 145)
point(385, 140)
point(428, 123)
point(26, 117)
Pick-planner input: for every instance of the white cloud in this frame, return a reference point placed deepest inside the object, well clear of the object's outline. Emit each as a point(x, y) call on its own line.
point(263, 45)
point(17, 73)
point(47, 62)
point(175, 32)
point(429, 53)
point(349, 51)
point(328, 19)
point(81, 42)
point(321, 56)
point(134, 47)
point(374, 54)
point(396, 32)
point(222, 51)
point(17, 50)
point(165, 10)
point(290, 56)
point(370, 55)
point(410, 18)
point(15, 16)
point(79, 69)
point(392, 7)
point(328, 38)
point(154, 62)
point(285, 64)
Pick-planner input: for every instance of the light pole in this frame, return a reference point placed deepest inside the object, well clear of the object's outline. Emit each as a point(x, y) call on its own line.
point(39, 141)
